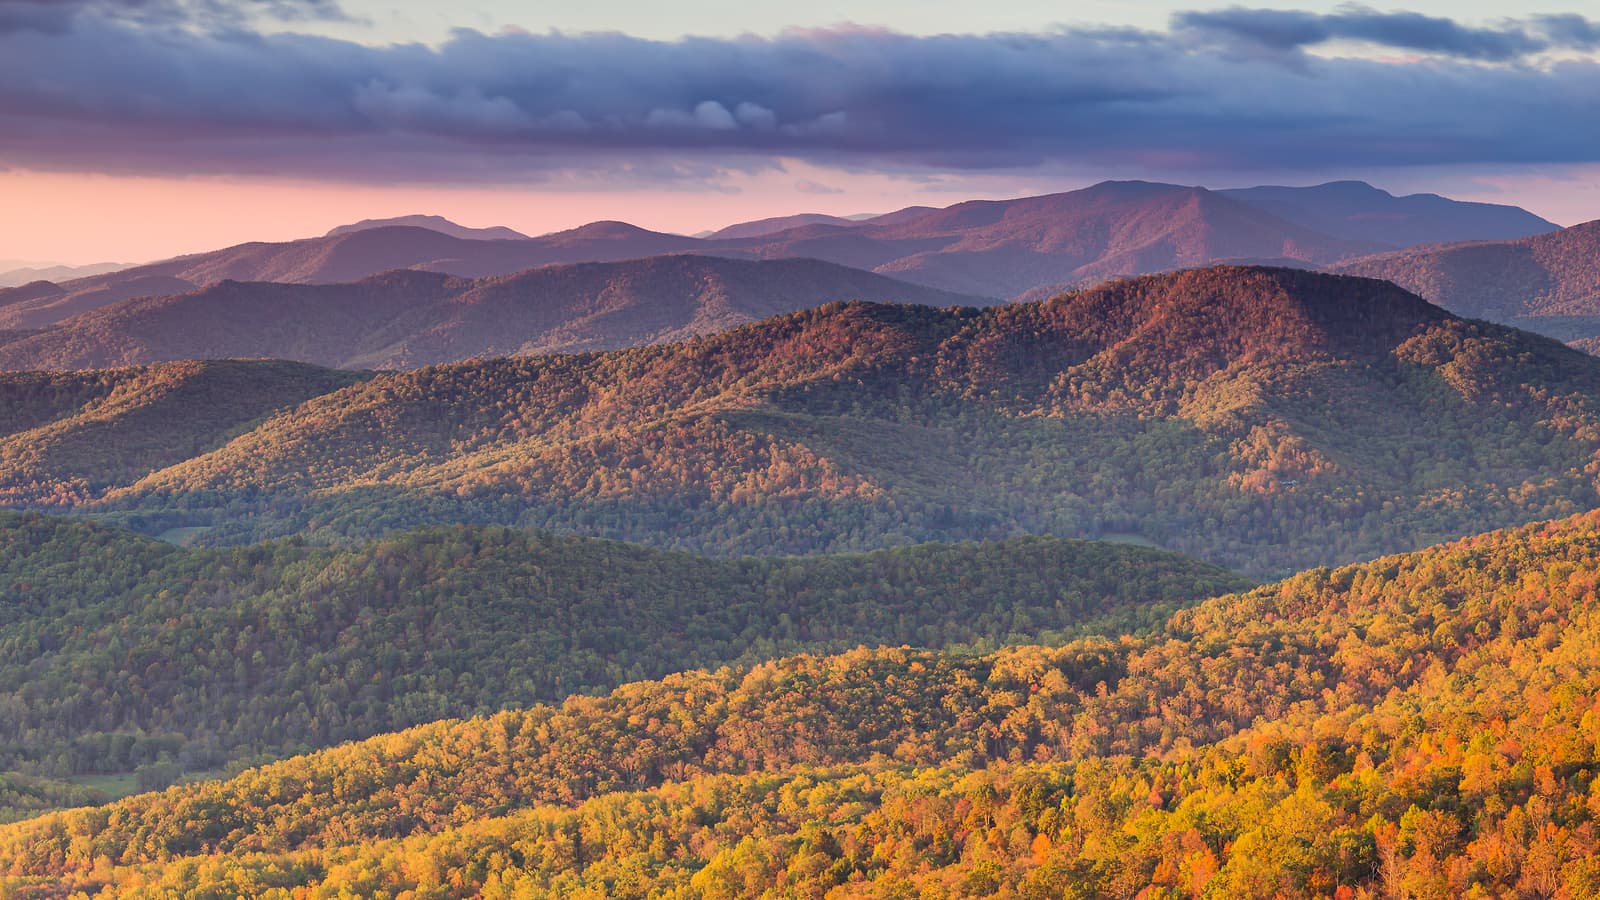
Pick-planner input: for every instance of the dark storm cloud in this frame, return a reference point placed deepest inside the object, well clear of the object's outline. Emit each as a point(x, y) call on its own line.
point(113, 94)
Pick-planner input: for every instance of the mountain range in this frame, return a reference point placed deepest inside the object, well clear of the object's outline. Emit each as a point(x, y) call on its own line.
point(994, 249)
point(751, 591)
point(348, 256)
point(1264, 419)
point(409, 318)
point(1006, 247)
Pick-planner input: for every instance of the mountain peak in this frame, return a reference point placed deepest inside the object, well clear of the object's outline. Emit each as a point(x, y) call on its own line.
point(432, 223)
point(1351, 187)
point(1249, 311)
point(605, 229)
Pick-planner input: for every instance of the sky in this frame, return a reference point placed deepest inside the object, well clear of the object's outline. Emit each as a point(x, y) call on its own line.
point(138, 129)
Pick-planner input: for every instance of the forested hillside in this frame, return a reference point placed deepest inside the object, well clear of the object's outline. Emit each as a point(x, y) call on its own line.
point(1263, 419)
point(120, 653)
point(67, 438)
point(1423, 725)
point(1549, 283)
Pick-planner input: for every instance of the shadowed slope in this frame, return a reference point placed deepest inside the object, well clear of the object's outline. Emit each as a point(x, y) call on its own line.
point(1549, 283)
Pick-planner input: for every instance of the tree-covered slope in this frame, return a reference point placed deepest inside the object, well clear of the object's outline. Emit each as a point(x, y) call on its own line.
point(119, 652)
point(1264, 419)
point(1422, 725)
point(1549, 283)
point(69, 437)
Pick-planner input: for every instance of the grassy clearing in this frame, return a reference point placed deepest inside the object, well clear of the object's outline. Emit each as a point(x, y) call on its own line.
point(114, 786)
point(183, 536)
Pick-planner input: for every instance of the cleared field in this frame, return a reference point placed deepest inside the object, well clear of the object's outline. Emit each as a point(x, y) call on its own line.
point(183, 536)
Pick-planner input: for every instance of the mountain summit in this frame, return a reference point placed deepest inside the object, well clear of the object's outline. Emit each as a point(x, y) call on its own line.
point(1357, 211)
point(432, 223)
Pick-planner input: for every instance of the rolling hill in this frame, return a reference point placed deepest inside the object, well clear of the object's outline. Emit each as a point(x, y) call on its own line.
point(121, 652)
point(405, 319)
point(1421, 725)
point(1549, 283)
point(1264, 419)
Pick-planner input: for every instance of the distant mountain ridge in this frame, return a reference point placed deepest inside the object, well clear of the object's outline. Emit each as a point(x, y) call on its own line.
point(760, 227)
point(1006, 247)
point(999, 249)
point(345, 257)
point(775, 225)
point(409, 318)
point(1357, 211)
point(1549, 283)
point(30, 274)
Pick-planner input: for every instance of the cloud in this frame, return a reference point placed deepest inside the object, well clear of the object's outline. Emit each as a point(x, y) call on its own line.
point(1569, 30)
point(1292, 30)
point(131, 92)
point(59, 16)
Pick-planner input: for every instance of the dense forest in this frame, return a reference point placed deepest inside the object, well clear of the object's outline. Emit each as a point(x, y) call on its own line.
point(1262, 419)
point(119, 653)
point(1425, 725)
